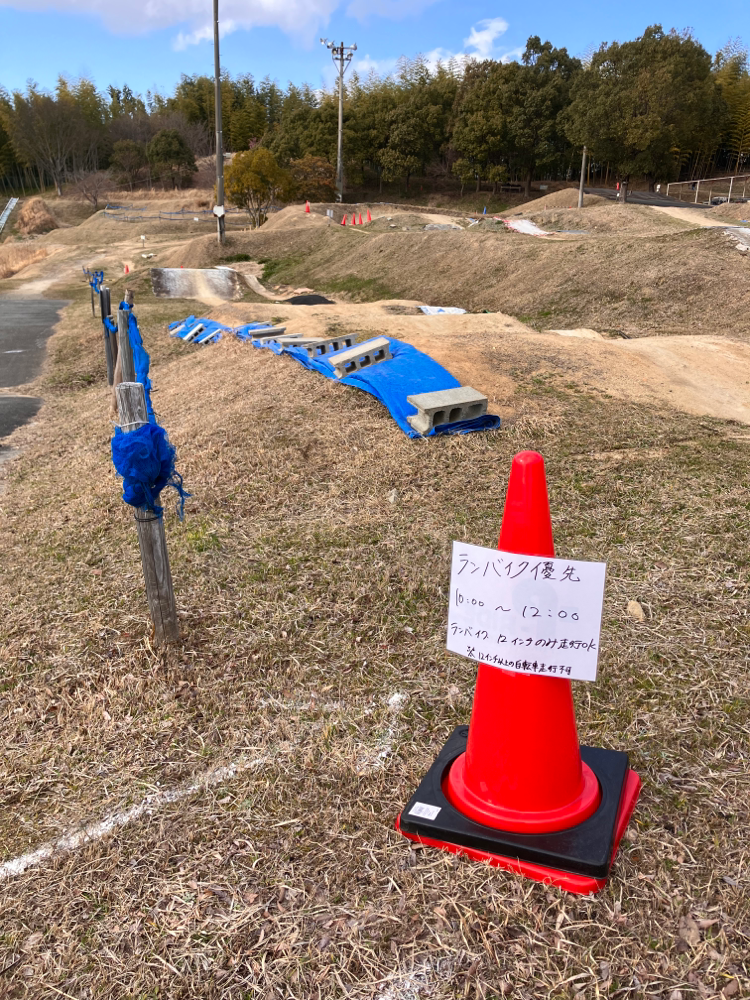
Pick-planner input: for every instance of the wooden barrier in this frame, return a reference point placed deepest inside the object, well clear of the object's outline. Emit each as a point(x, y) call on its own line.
point(131, 405)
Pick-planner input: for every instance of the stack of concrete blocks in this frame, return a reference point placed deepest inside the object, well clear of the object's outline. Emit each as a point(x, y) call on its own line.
point(445, 406)
point(372, 352)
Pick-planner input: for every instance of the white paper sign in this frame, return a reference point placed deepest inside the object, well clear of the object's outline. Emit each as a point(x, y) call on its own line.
point(526, 613)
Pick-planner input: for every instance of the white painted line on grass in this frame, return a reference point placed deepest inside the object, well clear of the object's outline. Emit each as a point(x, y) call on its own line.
point(96, 831)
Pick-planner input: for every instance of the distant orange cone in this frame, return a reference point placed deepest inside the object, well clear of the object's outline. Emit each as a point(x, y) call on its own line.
point(369, 217)
point(343, 221)
point(360, 218)
point(127, 269)
point(354, 218)
point(307, 208)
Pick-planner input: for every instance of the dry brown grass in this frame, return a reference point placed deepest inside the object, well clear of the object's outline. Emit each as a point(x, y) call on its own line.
point(310, 593)
point(35, 218)
point(566, 198)
point(667, 279)
point(14, 257)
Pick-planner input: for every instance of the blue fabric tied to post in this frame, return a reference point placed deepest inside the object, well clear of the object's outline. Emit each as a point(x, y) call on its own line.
point(145, 457)
point(96, 278)
point(145, 460)
point(141, 360)
point(408, 373)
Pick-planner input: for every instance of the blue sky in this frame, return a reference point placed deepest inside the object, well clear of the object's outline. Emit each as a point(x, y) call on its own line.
point(149, 43)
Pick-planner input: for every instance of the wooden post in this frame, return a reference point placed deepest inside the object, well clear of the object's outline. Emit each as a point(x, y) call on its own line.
point(108, 353)
point(93, 311)
point(131, 405)
point(127, 368)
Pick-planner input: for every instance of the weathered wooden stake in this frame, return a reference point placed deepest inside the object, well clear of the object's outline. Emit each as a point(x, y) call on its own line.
point(127, 368)
point(108, 340)
point(131, 404)
point(93, 311)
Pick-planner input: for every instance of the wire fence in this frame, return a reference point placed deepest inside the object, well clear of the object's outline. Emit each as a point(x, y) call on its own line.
point(711, 190)
point(129, 213)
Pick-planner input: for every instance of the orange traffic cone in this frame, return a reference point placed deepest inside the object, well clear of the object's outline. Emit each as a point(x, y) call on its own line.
point(343, 221)
point(307, 208)
point(127, 269)
point(360, 218)
point(369, 217)
point(517, 790)
point(354, 218)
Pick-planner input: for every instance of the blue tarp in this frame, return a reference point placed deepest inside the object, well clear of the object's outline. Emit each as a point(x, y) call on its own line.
point(408, 373)
point(212, 331)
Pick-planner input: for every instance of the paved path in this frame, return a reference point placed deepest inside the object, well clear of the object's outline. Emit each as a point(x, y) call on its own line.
point(25, 325)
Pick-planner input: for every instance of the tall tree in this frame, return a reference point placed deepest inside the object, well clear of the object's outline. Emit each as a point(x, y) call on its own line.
point(253, 180)
point(509, 115)
point(645, 106)
point(733, 77)
point(170, 157)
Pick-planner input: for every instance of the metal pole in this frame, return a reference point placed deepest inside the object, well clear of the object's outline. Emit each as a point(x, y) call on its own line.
point(219, 209)
point(731, 181)
point(697, 189)
point(583, 173)
point(340, 157)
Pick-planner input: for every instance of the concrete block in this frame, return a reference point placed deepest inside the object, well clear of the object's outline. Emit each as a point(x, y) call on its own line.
point(319, 348)
point(361, 356)
point(199, 328)
point(268, 333)
point(446, 406)
point(295, 338)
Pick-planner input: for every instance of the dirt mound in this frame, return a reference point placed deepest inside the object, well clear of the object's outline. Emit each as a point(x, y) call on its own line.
point(293, 217)
point(35, 217)
point(607, 217)
point(567, 198)
point(14, 257)
point(399, 220)
point(733, 212)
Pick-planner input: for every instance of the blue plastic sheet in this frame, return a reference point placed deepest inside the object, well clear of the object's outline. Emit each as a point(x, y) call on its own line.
point(210, 333)
point(408, 373)
point(141, 360)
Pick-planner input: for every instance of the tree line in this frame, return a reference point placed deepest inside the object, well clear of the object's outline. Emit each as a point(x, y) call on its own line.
point(659, 107)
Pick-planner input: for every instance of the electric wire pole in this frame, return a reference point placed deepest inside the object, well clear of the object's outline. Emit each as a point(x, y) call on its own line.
point(583, 172)
point(342, 56)
point(219, 206)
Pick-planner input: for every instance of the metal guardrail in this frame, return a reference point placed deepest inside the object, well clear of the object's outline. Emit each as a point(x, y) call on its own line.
point(711, 190)
point(12, 202)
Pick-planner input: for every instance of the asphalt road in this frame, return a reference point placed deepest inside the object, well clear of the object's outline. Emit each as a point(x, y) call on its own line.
point(646, 198)
point(25, 325)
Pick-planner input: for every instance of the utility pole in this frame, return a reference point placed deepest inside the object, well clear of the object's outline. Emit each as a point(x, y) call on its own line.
point(342, 56)
point(583, 174)
point(219, 206)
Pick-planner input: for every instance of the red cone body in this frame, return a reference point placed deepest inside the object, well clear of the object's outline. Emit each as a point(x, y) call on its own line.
point(307, 208)
point(369, 217)
point(343, 221)
point(354, 218)
point(360, 219)
point(522, 770)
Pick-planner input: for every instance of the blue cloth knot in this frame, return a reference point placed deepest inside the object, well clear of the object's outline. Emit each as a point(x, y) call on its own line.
point(145, 460)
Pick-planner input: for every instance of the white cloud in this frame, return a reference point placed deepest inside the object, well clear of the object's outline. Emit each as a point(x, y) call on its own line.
point(300, 18)
point(479, 45)
point(512, 55)
point(395, 10)
point(364, 65)
point(484, 34)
